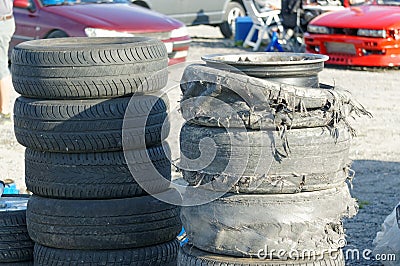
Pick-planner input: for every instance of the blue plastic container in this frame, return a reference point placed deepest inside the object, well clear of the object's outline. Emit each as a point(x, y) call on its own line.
point(243, 26)
point(11, 189)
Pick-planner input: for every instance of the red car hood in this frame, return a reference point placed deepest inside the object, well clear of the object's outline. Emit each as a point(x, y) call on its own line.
point(365, 17)
point(124, 17)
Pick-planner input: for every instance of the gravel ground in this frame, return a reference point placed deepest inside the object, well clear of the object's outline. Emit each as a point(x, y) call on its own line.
point(375, 151)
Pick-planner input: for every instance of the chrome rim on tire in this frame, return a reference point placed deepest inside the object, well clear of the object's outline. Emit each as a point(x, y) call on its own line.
point(299, 69)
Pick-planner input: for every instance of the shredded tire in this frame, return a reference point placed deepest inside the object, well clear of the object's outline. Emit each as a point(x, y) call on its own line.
point(190, 256)
point(258, 103)
point(89, 125)
point(289, 222)
point(303, 160)
point(82, 68)
point(164, 254)
point(102, 224)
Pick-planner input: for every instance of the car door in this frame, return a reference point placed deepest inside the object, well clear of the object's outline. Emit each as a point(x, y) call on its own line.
point(191, 12)
point(205, 11)
point(26, 21)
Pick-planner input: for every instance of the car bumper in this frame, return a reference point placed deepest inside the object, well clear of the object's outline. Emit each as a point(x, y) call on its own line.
point(177, 49)
point(356, 51)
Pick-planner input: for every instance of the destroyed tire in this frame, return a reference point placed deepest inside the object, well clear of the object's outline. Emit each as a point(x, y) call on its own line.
point(103, 175)
point(102, 224)
point(81, 68)
point(89, 125)
point(309, 159)
point(191, 256)
point(258, 103)
point(288, 222)
point(269, 184)
point(15, 243)
point(158, 255)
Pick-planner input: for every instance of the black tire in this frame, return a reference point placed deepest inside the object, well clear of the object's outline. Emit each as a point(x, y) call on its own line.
point(80, 68)
point(164, 254)
point(233, 10)
point(21, 263)
point(190, 256)
point(92, 175)
point(304, 157)
point(57, 34)
point(15, 243)
point(101, 224)
point(241, 224)
point(89, 125)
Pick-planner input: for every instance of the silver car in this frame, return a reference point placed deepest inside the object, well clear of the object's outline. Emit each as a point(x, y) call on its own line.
point(220, 13)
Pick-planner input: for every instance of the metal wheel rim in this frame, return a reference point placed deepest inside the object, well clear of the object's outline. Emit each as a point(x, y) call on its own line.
point(232, 15)
point(230, 59)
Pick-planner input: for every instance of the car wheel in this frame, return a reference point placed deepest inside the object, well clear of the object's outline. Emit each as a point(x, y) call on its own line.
point(93, 176)
point(92, 125)
point(101, 224)
point(158, 255)
point(57, 34)
point(233, 11)
point(15, 243)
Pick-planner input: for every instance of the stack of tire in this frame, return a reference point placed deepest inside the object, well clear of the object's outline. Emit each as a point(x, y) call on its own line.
point(16, 247)
point(86, 207)
point(285, 205)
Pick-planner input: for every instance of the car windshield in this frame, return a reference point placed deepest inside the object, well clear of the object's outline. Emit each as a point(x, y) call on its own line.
point(388, 2)
point(79, 2)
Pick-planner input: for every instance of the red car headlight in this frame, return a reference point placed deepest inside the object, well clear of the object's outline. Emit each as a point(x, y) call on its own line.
point(318, 29)
point(372, 33)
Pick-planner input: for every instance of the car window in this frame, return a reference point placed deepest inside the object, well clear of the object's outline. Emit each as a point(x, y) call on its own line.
point(389, 2)
point(77, 2)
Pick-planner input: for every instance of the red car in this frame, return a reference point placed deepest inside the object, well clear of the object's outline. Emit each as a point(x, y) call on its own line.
point(366, 35)
point(40, 19)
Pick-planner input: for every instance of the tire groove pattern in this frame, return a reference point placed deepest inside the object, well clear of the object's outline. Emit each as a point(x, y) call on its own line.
point(91, 175)
point(102, 224)
point(88, 125)
point(78, 71)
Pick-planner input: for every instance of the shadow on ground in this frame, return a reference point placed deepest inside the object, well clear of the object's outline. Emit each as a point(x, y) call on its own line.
point(377, 188)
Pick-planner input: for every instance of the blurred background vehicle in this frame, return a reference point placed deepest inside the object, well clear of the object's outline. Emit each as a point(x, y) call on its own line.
point(41, 19)
point(220, 13)
point(364, 35)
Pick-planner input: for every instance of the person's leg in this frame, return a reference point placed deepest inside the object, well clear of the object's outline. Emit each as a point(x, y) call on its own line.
point(6, 33)
point(5, 88)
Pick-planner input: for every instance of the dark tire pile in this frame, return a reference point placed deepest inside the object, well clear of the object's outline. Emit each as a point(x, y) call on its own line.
point(294, 203)
point(86, 207)
point(16, 247)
